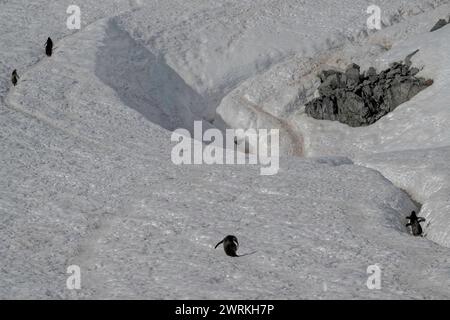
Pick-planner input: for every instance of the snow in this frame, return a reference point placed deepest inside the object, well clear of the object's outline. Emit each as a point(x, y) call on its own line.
point(86, 175)
point(420, 125)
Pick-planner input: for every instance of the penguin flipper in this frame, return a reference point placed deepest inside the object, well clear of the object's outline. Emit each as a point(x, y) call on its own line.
point(218, 244)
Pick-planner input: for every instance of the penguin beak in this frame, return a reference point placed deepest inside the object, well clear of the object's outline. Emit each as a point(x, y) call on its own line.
point(218, 244)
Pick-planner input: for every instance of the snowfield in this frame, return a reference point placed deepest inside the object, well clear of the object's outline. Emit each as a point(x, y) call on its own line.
point(85, 145)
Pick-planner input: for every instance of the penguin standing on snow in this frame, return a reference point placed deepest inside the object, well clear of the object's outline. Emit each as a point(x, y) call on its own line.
point(49, 47)
point(14, 77)
point(414, 222)
point(230, 245)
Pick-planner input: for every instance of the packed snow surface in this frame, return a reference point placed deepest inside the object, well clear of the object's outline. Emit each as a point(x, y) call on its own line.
point(85, 145)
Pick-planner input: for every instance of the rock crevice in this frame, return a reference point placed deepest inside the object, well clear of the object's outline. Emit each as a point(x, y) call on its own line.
point(360, 99)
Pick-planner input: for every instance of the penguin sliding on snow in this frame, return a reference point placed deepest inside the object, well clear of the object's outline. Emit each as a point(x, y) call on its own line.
point(414, 222)
point(14, 77)
point(231, 245)
point(49, 47)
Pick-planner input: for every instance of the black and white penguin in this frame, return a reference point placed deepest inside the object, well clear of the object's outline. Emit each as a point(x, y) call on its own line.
point(49, 47)
point(14, 77)
point(230, 245)
point(414, 222)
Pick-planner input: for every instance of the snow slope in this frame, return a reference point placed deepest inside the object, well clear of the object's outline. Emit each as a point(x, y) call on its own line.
point(413, 139)
point(86, 176)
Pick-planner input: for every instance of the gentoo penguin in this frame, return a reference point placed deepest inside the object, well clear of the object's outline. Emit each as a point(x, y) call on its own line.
point(414, 222)
point(14, 77)
point(230, 245)
point(49, 47)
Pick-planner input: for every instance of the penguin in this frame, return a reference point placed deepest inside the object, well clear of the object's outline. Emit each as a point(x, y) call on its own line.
point(49, 47)
point(230, 245)
point(414, 222)
point(14, 77)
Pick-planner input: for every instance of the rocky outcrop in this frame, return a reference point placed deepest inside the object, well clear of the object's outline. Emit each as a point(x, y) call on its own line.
point(360, 99)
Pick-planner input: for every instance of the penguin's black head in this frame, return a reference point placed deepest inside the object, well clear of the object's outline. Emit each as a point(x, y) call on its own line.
point(231, 238)
point(412, 216)
point(231, 245)
point(229, 241)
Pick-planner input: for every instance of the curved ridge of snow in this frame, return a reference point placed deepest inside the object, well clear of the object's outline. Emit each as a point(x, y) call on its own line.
point(146, 83)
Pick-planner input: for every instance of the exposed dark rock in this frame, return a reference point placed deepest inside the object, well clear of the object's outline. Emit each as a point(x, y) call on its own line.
point(330, 83)
point(414, 71)
point(408, 61)
point(441, 23)
point(361, 99)
point(325, 74)
point(352, 75)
